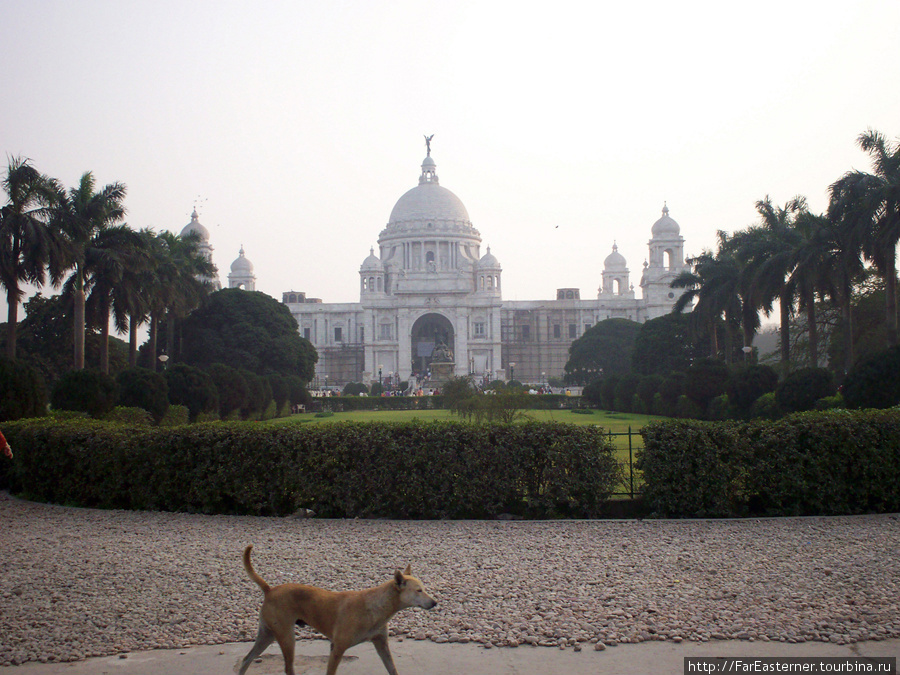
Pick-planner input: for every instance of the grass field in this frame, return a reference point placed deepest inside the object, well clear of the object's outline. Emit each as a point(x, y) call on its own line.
point(611, 422)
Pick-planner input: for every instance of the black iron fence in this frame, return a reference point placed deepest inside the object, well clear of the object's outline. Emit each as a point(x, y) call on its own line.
point(627, 442)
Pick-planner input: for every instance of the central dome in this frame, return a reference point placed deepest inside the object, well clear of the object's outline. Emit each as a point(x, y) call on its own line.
point(428, 202)
point(429, 208)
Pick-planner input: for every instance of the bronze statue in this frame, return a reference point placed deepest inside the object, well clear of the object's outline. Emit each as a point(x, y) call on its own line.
point(428, 144)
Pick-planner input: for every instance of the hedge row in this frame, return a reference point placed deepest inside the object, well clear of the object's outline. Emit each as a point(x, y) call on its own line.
point(396, 470)
point(817, 463)
point(347, 403)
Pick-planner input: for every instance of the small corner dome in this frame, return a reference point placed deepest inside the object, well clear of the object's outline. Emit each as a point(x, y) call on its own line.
point(488, 260)
point(196, 226)
point(665, 225)
point(615, 260)
point(372, 262)
point(241, 264)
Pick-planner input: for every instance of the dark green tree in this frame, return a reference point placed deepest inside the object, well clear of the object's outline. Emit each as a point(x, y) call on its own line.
point(87, 391)
point(249, 330)
point(748, 383)
point(231, 386)
point(281, 391)
point(259, 395)
point(666, 344)
point(142, 388)
point(802, 388)
point(704, 380)
point(875, 381)
point(22, 391)
point(605, 349)
point(192, 388)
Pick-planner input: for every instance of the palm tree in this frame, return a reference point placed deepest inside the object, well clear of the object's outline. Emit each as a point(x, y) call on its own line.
point(113, 254)
point(810, 273)
point(175, 284)
point(872, 203)
point(130, 299)
point(714, 284)
point(766, 251)
point(82, 214)
point(29, 245)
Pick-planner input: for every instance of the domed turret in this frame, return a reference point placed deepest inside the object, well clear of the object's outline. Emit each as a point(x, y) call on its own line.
point(615, 260)
point(372, 262)
point(241, 275)
point(196, 226)
point(665, 225)
point(488, 261)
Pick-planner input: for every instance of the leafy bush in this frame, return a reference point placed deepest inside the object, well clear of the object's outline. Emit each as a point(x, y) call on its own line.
point(670, 390)
point(719, 408)
point(687, 409)
point(457, 392)
point(811, 463)
point(281, 392)
point(128, 415)
point(259, 395)
point(88, 391)
point(704, 380)
point(231, 387)
point(193, 388)
point(608, 387)
point(176, 415)
point(648, 387)
point(450, 470)
point(355, 389)
point(874, 382)
point(766, 407)
point(625, 391)
point(22, 391)
point(831, 402)
point(748, 383)
point(142, 388)
point(802, 388)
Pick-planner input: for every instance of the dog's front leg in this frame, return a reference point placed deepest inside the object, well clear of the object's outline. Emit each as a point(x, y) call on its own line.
point(334, 659)
point(381, 646)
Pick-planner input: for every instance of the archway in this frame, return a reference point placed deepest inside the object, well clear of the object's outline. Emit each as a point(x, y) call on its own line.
point(427, 331)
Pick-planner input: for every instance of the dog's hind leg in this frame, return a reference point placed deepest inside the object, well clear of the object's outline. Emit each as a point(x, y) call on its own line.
point(285, 639)
point(381, 646)
point(334, 659)
point(264, 637)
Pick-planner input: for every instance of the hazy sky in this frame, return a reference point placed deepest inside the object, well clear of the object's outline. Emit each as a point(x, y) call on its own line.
point(295, 126)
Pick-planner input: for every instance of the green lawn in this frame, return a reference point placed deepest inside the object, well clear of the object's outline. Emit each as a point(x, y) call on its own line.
point(616, 423)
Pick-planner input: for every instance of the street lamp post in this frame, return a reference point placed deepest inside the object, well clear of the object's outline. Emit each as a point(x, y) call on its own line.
point(512, 370)
point(380, 368)
point(163, 359)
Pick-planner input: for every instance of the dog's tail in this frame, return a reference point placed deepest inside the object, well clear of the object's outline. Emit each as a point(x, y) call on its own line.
point(252, 573)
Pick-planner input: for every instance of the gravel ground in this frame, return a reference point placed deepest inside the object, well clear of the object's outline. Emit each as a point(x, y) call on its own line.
point(78, 582)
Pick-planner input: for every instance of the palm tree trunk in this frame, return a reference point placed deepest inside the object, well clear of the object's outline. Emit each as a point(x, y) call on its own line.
point(813, 333)
point(104, 337)
point(154, 326)
point(132, 342)
point(170, 335)
point(79, 321)
point(12, 302)
point(890, 295)
point(847, 320)
point(785, 302)
point(713, 340)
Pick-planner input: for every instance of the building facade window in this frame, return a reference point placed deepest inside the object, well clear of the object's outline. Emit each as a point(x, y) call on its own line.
point(478, 327)
point(306, 333)
point(384, 331)
point(338, 334)
point(557, 330)
point(573, 331)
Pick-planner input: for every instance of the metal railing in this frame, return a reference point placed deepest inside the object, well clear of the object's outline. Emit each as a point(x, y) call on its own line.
point(629, 483)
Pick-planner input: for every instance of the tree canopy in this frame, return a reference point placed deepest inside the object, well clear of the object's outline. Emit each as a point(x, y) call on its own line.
point(666, 344)
point(604, 348)
point(247, 330)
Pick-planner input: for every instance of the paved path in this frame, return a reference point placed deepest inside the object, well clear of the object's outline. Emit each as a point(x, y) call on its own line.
point(428, 658)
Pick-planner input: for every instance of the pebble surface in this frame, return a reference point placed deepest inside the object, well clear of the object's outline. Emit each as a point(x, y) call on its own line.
point(76, 583)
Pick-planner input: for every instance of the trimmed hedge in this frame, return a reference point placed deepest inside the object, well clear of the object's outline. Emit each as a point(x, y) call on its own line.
point(816, 463)
point(343, 470)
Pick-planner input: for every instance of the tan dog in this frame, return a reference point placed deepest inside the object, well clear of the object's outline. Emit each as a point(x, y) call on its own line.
point(345, 618)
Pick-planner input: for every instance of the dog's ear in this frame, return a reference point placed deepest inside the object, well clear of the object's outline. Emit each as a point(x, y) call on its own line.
point(408, 571)
point(398, 579)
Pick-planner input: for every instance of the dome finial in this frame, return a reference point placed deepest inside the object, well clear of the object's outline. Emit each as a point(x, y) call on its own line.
point(665, 209)
point(428, 145)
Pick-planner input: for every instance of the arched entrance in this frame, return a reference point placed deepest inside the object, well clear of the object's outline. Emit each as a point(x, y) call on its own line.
point(428, 331)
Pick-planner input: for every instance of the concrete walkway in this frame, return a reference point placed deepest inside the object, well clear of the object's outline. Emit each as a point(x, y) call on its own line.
point(427, 658)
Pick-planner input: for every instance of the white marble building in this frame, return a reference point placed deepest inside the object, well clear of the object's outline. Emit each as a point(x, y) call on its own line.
point(429, 284)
